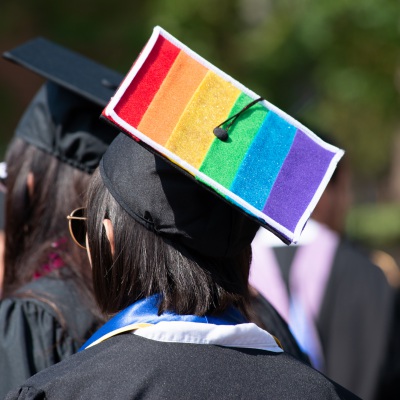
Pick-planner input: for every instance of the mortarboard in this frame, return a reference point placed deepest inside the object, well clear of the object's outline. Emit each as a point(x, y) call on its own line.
point(162, 199)
point(63, 118)
point(223, 135)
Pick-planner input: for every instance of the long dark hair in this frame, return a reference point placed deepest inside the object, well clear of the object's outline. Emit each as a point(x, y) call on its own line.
point(145, 264)
point(36, 221)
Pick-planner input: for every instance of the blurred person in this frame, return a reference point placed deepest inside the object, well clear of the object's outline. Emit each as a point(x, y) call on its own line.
point(170, 260)
point(47, 309)
point(337, 303)
point(388, 265)
point(267, 317)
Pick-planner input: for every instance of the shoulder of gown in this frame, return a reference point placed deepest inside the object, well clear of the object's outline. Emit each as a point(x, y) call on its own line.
point(45, 322)
point(128, 366)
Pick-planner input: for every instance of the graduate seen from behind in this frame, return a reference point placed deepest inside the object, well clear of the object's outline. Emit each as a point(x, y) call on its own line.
point(321, 284)
point(47, 310)
point(170, 262)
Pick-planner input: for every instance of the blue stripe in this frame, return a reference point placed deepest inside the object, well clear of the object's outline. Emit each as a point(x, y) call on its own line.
point(256, 175)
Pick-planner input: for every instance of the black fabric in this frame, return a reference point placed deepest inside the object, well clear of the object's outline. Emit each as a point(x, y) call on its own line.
point(389, 387)
point(131, 367)
point(269, 319)
point(355, 322)
point(66, 126)
point(164, 200)
point(71, 70)
point(45, 323)
point(285, 257)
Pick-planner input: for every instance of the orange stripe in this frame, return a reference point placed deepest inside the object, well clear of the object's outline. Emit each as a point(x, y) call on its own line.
point(171, 99)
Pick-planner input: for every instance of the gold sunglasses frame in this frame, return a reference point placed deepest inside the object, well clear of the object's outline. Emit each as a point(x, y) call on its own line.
point(70, 217)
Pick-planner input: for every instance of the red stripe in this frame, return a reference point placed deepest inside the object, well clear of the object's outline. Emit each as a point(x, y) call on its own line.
point(146, 83)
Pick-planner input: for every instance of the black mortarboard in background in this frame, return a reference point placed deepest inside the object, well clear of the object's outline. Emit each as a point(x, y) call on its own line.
point(63, 118)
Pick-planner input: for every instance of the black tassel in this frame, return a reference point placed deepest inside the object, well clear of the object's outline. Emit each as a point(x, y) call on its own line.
point(222, 133)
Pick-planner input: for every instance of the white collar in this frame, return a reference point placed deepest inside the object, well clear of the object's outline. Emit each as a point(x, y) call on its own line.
point(246, 335)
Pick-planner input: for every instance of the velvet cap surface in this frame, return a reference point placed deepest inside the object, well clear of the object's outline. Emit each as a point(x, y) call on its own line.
point(166, 201)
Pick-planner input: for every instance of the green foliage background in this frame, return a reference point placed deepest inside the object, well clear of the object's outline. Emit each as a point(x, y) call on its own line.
point(332, 64)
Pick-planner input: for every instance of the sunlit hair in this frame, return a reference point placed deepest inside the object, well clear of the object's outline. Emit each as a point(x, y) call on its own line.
point(36, 219)
point(145, 264)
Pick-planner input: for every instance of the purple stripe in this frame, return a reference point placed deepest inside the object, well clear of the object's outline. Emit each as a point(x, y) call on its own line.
point(299, 178)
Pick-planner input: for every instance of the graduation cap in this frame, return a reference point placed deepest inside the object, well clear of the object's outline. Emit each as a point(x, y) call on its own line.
point(63, 118)
point(224, 136)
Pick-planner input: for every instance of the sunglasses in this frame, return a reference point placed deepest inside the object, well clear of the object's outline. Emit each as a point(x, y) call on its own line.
point(77, 226)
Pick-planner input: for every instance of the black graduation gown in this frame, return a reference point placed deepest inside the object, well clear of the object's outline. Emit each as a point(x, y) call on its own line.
point(132, 367)
point(389, 384)
point(355, 319)
point(46, 324)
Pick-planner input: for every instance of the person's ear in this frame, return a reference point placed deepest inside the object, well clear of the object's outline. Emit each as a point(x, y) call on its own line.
point(110, 234)
point(30, 183)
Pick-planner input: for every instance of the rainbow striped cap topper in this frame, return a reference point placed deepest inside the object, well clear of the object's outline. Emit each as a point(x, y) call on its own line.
point(263, 161)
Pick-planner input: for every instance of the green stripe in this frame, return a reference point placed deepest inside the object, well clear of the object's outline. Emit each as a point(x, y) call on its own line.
point(224, 158)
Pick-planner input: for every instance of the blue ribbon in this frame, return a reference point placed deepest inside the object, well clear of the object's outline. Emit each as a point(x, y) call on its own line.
point(146, 311)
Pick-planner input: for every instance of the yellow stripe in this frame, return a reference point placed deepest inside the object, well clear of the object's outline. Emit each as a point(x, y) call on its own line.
point(127, 328)
point(209, 106)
